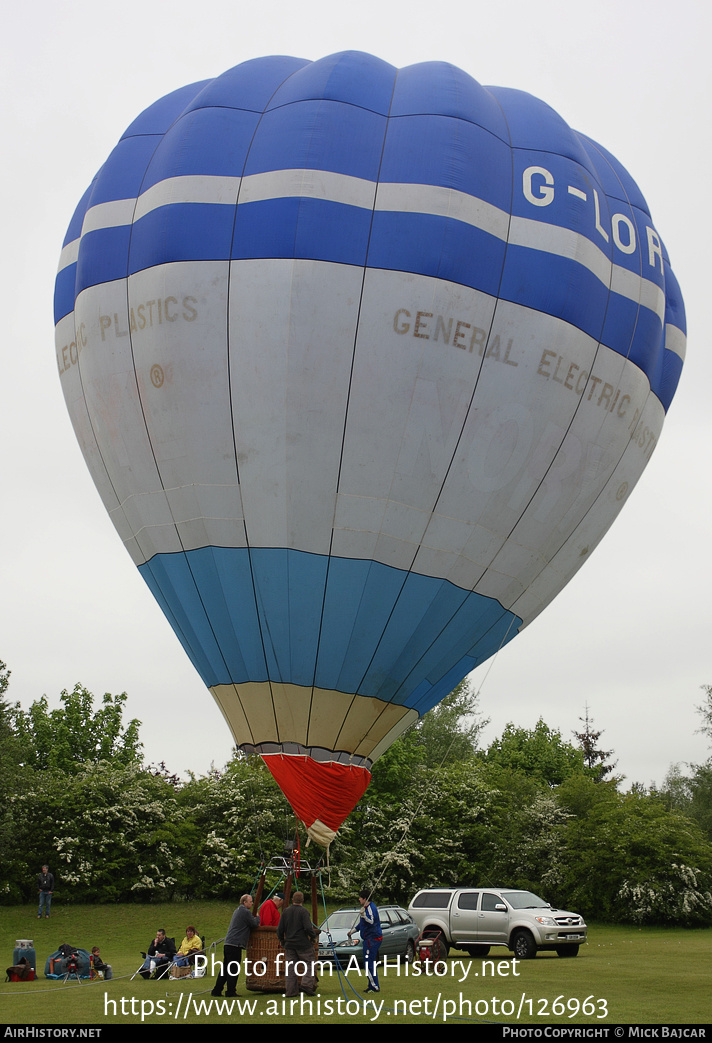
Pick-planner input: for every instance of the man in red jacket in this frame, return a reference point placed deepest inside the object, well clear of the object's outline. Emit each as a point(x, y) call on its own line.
point(269, 910)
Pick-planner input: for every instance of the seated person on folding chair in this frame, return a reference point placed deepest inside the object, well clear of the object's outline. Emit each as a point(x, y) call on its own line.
point(98, 965)
point(159, 956)
point(189, 948)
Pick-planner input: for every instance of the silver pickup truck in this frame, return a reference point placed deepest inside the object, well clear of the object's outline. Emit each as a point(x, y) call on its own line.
point(475, 918)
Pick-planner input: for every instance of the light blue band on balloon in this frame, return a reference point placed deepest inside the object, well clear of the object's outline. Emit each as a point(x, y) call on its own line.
point(341, 624)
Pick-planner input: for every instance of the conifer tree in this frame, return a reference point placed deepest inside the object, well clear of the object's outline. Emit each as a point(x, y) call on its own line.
point(594, 758)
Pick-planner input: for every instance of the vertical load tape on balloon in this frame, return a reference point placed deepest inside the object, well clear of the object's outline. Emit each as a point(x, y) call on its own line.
point(364, 363)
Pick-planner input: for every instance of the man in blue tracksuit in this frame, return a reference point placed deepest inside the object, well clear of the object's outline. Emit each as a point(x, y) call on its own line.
point(370, 930)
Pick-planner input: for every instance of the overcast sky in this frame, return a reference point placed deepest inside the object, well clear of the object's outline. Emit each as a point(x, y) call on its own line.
point(630, 635)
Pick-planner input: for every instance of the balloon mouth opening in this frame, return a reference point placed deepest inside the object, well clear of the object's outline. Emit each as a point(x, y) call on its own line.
point(322, 793)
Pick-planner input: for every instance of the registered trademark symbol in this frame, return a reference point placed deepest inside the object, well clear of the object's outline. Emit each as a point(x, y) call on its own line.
point(157, 376)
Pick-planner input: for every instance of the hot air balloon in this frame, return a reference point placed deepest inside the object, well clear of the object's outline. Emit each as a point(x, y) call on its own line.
point(364, 362)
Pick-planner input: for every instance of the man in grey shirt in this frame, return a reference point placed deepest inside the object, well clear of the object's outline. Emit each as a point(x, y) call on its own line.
point(236, 939)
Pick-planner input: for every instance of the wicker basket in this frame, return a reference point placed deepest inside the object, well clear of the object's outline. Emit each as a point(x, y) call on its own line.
point(262, 950)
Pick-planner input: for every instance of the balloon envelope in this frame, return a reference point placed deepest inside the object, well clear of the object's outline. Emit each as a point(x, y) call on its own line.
point(364, 362)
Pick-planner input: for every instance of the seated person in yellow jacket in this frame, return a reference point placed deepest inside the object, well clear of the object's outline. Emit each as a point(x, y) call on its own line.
point(189, 947)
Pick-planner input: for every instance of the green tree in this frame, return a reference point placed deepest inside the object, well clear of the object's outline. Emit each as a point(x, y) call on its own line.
point(109, 832)
point(13, 782)
point(692, 793)
point(539, 752)
point(8, 784)
point(593, 757)
point(700, 789)
point(630, 859)
point(450, 732)
point(675, 790)
point(447, 734)
point(437, 833)
point(535, 860)
point(71, 787)
point(579, 794)
point(77, 734)
point(118, 835)
point(233, 821)
point(705, 712)
point(4, 678)
point(6, 725)
point(8, 737)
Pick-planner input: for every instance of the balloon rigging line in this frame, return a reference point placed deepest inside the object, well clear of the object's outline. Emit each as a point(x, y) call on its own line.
point(494, 657)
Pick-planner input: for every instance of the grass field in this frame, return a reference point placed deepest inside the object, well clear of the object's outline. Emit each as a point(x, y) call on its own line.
point(654, 976)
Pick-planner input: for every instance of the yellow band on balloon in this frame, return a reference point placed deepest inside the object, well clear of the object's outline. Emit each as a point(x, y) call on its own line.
point(289, 713)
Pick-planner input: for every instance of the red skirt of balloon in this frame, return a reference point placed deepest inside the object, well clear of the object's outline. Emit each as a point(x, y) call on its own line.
point(322, 795)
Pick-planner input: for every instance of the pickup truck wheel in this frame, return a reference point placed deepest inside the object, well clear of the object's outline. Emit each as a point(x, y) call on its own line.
point(523, 945)
point(567, 950)
point(476, 950)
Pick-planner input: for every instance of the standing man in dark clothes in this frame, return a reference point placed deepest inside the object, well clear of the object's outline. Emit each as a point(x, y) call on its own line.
point(297, 934)
point(45, 886)
point(236, 939)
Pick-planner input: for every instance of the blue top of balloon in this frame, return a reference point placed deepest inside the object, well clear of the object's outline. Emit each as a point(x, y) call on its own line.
point(546, 217)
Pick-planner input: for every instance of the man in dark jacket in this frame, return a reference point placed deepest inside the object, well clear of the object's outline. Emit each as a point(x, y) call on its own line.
point(160, 954)
point(45, 886)
point(297, 934)
point(99, 966)
point(236, 939)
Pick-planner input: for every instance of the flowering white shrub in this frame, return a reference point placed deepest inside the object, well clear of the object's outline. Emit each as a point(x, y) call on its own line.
point(675, 898)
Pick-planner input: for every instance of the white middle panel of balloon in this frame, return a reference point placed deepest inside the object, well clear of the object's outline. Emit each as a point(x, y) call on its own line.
point(397, 418)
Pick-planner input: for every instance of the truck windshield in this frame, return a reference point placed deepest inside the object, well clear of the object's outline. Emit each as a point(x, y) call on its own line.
point(524, 900)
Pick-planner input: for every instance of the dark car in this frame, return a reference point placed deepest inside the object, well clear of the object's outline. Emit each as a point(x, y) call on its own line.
point(400, 933)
